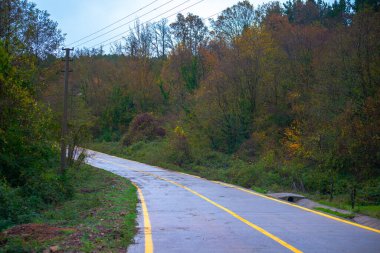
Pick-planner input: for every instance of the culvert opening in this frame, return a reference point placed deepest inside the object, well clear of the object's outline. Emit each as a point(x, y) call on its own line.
point(290, 199)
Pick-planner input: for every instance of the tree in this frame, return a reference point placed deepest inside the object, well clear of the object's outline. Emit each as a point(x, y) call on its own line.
point(26, 29)
point(117, 115)
point(31, 38)
point(231, 95)
point(139, 41)
point(26, 128)
point(162, 38)
point(363, 4)
point(234, 20)
point(179, 76)
point(190, 32)
point(309, 11)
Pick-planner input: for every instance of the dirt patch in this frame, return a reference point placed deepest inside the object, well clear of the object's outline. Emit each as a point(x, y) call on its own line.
point(35, 232)
point(75, 240)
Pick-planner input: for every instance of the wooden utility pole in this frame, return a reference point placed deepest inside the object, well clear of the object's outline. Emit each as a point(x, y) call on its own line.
point(64, 118)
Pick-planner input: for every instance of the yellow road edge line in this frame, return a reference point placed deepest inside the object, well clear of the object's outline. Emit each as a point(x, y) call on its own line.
point(147, 225)
point(252, 225)
point(300, 207)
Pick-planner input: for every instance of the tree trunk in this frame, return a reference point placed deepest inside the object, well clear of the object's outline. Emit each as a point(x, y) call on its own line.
point(294, 186)
point(302, 186)
point(331, 188)
point(353, 197)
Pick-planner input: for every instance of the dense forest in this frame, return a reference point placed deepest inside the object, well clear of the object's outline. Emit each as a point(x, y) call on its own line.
point(290, 92)
point(277, 96)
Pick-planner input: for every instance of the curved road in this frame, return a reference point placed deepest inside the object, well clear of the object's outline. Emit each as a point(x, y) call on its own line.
point(184, 213)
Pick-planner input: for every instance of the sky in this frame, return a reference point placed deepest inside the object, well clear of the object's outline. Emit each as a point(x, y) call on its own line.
point(79, 18)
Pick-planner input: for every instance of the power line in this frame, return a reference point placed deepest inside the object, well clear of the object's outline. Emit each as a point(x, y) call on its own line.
point(212, 15)
point(146, 23)
point(127, 23)
point(102, 29)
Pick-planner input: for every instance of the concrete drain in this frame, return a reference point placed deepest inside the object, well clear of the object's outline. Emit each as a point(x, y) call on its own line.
point(290, 197)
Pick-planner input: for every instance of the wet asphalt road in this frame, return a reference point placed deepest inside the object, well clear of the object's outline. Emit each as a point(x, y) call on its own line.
point(190, 214)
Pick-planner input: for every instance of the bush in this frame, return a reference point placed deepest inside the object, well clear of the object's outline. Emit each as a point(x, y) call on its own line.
point(12, 208)
point(144, 127)
point(49, 187)
point(211, 159)
point(370, 193)
point(180, 148)
point(21, 204)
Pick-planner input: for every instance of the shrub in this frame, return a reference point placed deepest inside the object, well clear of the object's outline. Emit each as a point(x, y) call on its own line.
point(49, 187)
point(180, 148)
point(144, 127)
point(370, 193)
point(21, 204)
point(11, 205)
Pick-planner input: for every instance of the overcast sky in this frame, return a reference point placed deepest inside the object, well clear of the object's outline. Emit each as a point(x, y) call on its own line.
point(78, 18)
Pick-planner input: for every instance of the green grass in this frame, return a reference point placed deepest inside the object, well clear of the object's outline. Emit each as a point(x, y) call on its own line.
point(154, 153)
point(259, 190)
point(373, 211)
point(341, 203)
point(339, 214)
point(112, 148)
point(101, 216)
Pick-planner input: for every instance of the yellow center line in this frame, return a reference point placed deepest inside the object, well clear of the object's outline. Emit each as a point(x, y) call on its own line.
point(147, 226)
point(252, 225)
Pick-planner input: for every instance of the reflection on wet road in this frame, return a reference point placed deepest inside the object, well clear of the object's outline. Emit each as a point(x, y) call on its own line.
point(191, 214)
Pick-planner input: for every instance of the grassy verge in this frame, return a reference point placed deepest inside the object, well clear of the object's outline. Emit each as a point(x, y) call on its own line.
point(339, 214)
point(373, 211)
point(151, 153)
point(370, 210)
point(144, 152)
point(212, 166)
point(99, 218)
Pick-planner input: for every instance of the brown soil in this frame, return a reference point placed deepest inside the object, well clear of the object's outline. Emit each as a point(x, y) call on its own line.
point(35, 232)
